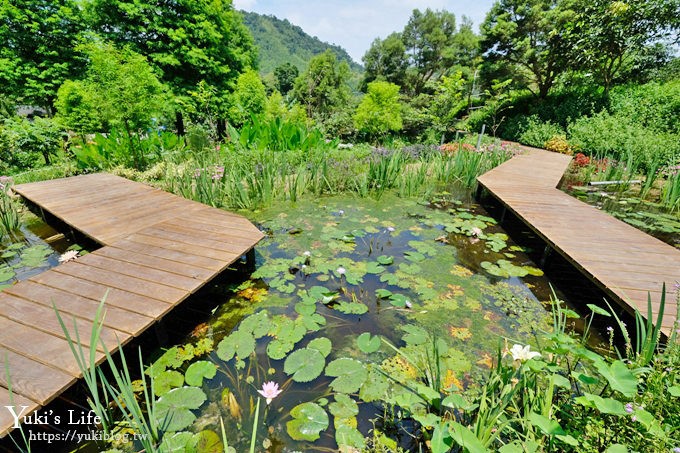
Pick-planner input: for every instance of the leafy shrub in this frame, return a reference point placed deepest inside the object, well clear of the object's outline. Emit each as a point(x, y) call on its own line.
point(654, 106)
point(26, 144)
point(621, 137)
point(537, 133)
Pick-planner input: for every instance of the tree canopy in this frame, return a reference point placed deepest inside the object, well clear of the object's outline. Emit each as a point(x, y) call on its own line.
point(323, 85)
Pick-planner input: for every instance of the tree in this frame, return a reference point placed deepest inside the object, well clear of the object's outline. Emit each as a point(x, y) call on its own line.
point(189, 41)
point(429, 41)
point(527, 35)
point(385, 60)
point(379, 111)
point(285, 77)
point(448, 101)
point(249, 98)
point(323, 86)
point(38, 48)
point(123, 87)
point(605, 33)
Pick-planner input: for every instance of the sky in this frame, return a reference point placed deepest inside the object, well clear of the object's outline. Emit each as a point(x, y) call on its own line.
point(354, 24)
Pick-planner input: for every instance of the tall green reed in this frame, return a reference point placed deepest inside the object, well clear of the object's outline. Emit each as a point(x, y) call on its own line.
point(10, 218)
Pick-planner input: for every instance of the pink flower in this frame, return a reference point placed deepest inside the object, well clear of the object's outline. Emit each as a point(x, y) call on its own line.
point(476, 231)
point(341, 270)
point(270, 390)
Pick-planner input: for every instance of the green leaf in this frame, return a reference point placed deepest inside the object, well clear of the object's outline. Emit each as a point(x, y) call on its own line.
point(6, 273)
point(383, 293)
point(617, 448)
point(304, 364)
point(277, 349)
point(398, 300)
point(604, 405)
point(374, 268)
point(348, 436)
point(414, 335)
point(321, 344)
point(305, 309)
point(441, 439)
point(466, 438)
point(415, 257)
point(368, 343)
point(167, 380)
point(343, 407)
point(549, 427)
point(674, 390)
point(618, 375)
point(176, 442)
point(309, 419)
point(173, 410)
point(598, 311)
point(349, 375)
point(385, 260)
point(206, 441)
point(197, 371)
point(351, 308)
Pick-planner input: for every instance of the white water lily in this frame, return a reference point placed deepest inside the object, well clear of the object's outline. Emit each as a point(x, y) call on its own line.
point(522, 353)
point(69, 255)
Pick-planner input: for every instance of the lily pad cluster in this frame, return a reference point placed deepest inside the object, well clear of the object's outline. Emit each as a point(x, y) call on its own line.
point(19, 257)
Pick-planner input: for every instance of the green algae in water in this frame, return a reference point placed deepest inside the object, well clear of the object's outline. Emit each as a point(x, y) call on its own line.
point(338, 279)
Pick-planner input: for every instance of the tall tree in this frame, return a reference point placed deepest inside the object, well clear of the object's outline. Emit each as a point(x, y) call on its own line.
point(385, 60)
point(38, 48)
point(323, 86)
point(285, 77)
point(429, 40)
point(605, 33)
point(187, 40)
point(527, 35)
point(379, 111)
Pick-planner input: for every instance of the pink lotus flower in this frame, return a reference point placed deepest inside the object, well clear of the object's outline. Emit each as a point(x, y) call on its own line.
point(270, 390)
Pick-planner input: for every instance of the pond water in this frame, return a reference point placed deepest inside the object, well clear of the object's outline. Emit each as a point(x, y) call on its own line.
point(30, 251)
point(627, 206)
point(345, 299)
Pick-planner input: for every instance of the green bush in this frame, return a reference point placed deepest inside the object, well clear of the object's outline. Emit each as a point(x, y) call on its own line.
point(654, 106)
point(25, 144)
point(621, 138)
point(537, 133)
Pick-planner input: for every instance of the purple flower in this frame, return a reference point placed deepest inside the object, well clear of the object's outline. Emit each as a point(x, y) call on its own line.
point(629, 408)
point(633, 418)
point(676, 450)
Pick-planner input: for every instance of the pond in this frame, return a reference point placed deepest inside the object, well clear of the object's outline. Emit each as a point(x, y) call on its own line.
point(354, 303)
point(33, 249)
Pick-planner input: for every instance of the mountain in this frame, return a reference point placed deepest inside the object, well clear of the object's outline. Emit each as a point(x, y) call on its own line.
point(280, 41)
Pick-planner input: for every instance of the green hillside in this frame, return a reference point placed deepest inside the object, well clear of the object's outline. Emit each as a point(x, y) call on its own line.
point(279, 42)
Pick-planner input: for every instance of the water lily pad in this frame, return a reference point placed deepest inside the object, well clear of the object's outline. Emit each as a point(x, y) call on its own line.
point(239, 343)
point(167, 380)
point(414, 335)
point(349, 438)
point(374, 268)
point(197, 371)
point(398, 300)
point(351, 308)
point(385, 260)
point(176, 442)
point(6, 274)
point(173, 410)
point(305, 309)
point(383, 293)
point(368, 343)
point(321, 344)
point(35, 256)
point(309, 419)
point(207, 441)
point(277, 349)
point(343, 407)
point(349, 375)
point(304, 364)
point(415, 257)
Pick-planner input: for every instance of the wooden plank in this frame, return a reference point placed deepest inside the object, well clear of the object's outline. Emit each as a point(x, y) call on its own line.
point(195, 241)
point(135, 303)
point(239, 241)
point(144, 272)
point(18, 401)
point(40, 383)
point(115, 280)
point(174, 267)
point(81, 307)
point(166, 251)
point(162, 240)
point(40, 346)
point(45, 319)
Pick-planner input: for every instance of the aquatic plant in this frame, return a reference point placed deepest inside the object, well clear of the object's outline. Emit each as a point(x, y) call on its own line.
point(10, 219)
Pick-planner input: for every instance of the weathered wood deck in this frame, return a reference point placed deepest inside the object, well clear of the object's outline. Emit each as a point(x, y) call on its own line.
point(623, 261)
point(158, 250)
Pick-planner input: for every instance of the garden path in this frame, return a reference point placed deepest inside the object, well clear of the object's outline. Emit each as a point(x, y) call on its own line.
point(158, 249)
point(626, 263)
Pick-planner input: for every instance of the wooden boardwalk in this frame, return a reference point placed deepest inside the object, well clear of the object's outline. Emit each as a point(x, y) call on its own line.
point(158, 249)
point(623, 261)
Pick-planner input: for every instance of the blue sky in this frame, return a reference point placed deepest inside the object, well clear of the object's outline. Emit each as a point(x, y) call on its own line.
point(353, 24)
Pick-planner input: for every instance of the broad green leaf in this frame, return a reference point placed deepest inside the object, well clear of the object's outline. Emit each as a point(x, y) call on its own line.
point(351, 308)
point(619, 377)
point(321, 344)
point(383, 293)
point(368, 343)
point(466, 438)
point(414, 335)
point(349, 375)
point(385, 260)
point(349, 439)
point(674, 390)
point(167, 380)
point(549, 427)
point(604, 405)
point(343, 407)
point(441, 439)
point(206, 441)
point(197, 371)
point(176, 442)
point(598, 311)
point(617, 448)
point(398, 300)
point(309, 419)
point(277, 349)
point(173, 410)
point(304, 364)
point(374, 268)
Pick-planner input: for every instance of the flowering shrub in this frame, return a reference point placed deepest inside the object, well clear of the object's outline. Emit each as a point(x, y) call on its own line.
point(581, 160)
point(559, 144)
